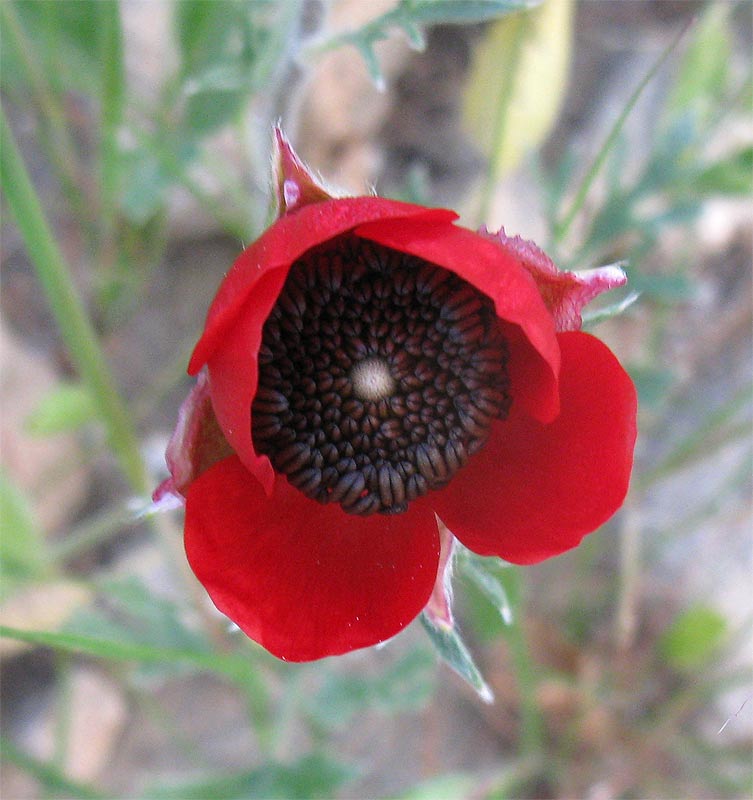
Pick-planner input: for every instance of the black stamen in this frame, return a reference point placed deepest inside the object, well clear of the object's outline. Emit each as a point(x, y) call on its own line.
point(379, 376)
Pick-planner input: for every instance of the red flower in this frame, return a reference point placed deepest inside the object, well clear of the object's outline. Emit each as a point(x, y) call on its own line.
point(367, 367)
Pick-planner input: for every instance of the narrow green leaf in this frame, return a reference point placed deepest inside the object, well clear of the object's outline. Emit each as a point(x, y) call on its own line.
point(369, 56)
point(73, 28)
point(563, 226)
point(445, 787)
point(224, 77)
point(461, 12)
point(115, 650)
point(312, 776)
point(591, 318)
point(111, 98)
point(415, 36)
point(21, 545)
point(207, 111)
point(202, 30)
point(48, 775)
point(671, 288)
point(490, 586)
point(75, 327)
point(453, 651)
point(230, 50)
point(732, 175)
point(131, 613)
point(274, 40)
point(704, 67)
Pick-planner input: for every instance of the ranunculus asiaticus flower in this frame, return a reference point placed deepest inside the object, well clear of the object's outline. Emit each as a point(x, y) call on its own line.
point(367, 368)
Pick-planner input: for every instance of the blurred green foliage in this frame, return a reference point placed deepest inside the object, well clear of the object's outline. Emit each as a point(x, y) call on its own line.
point(21, 546)
point(67, 407)
point(693, 639)
point(311, 776)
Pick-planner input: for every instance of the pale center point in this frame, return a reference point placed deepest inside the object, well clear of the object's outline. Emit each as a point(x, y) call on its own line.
point(372, 380)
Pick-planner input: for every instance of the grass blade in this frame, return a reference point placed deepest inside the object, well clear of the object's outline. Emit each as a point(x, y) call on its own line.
point(75, 326)
point(48, 775)
point(562, 227)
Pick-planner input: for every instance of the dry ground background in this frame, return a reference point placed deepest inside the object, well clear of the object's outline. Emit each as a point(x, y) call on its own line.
point(620, 721)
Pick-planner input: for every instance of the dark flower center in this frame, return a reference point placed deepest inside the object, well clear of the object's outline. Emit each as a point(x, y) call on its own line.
point(379, 376)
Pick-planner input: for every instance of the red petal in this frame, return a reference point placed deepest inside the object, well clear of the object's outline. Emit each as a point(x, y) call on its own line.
point(565, 293)
point(535, 490)
point(302, 579)
point(284, 242)
point(233, 375)
point(500, 276)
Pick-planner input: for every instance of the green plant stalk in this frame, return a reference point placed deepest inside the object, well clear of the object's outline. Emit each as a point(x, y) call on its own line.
point(48, 775)
point(111, 112)
point(235, 668)
point(75, 326)
point(562, 227)
point(531, 722)
point(521, 23)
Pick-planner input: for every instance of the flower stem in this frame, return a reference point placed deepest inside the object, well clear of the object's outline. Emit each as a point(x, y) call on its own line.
point(75, 326)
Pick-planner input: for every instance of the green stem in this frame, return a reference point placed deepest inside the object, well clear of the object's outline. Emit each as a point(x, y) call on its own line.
point(75, 326)
point(47, 774)
point(562, 227)
point(111, 108)
point(531, 721)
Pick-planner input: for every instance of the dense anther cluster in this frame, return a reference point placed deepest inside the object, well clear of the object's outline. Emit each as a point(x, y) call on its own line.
point(379, 376)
